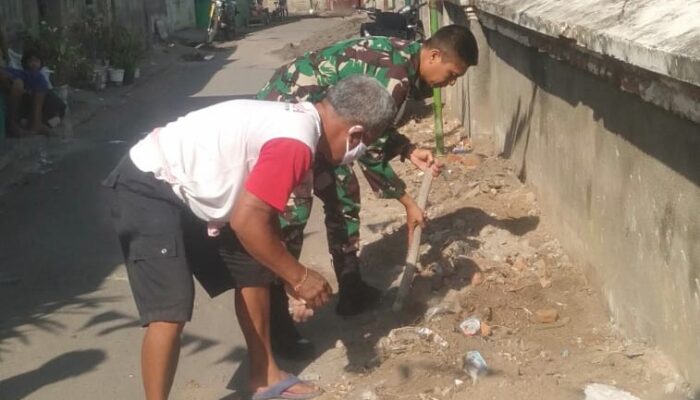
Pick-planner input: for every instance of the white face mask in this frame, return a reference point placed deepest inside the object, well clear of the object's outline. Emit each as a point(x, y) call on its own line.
point(352, 155)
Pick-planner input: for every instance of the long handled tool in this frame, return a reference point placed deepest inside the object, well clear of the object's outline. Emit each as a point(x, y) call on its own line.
point(411, 258)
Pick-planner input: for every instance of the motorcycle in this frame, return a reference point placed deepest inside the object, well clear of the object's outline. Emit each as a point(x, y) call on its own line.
point(404, 23)
point(222, 16)
point(280, 10)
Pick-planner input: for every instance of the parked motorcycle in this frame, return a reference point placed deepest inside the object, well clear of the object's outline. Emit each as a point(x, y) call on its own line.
point(404, 23)
point(222, 17)
point(280, 10)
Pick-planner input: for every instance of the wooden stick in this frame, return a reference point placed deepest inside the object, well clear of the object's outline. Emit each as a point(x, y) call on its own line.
point(412, 255)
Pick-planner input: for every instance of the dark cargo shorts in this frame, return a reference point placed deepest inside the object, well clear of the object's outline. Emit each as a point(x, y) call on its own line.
point(165, 245)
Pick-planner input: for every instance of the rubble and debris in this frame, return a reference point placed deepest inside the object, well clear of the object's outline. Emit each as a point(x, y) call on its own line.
point(487, 257)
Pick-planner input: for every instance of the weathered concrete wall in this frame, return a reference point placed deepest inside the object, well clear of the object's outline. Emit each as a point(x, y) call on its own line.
point(180, 14)
point(617, 176)
point(131, 15)
point(17, 16)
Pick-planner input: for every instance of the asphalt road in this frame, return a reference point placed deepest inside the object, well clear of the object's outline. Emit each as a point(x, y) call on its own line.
point(68, 325)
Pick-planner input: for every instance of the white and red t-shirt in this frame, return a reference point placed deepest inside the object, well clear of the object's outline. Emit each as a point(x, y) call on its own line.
point(210, 155)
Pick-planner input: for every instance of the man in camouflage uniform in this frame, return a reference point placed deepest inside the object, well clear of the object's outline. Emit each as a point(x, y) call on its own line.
point(406, 69)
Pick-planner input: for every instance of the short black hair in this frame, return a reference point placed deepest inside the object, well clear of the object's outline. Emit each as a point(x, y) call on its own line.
point(28, 55)
point(456, 41)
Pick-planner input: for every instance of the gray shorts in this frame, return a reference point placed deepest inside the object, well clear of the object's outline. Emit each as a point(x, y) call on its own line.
point(165, 245)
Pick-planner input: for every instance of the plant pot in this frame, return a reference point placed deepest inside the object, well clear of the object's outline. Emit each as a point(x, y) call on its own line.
point(128, 76)
point(116, 76)
point(99, 78)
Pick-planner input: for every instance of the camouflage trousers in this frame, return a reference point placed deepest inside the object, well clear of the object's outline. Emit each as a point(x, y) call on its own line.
point(339, 190)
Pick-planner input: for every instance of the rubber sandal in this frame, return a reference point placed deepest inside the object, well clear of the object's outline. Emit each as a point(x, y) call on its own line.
point(277, 391)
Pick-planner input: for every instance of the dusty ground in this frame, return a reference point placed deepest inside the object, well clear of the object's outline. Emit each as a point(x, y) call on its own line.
point(347, 28)
point(487, 253)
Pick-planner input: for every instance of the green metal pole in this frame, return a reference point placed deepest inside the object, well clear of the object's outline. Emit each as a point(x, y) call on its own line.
point(437, 94)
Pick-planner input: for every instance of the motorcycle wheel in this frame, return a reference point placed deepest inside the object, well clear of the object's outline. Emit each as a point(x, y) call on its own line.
point(213, 27)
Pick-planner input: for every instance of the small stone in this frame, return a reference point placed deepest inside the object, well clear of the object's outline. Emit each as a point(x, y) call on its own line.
point(369, 395)
point(520, 264)
point(485, 329)
point(459, 382)
point(309, 376)
point(487, 314)
point(546, 316)
point(497, 184)
point(472, 192)
point(339, 344)
point(471, 161)
point(477, 279)
point(670, 387)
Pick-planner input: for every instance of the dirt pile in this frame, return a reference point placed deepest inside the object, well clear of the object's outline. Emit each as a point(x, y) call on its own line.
point(494, 287)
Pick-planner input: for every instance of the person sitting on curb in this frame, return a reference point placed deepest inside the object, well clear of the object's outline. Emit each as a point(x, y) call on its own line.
point(25, 86)
point(201, 197)
point(405, 68)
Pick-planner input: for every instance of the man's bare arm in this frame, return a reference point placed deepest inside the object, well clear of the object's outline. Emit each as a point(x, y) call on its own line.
point(256, 225)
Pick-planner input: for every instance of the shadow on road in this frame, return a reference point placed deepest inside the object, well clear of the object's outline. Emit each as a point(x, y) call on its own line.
point(65, 366)
point(58, 247)
point(360, 334)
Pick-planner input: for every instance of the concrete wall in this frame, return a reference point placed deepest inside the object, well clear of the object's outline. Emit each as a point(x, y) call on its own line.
point(17, 16)
point(131, 14)
point(617, 177)
point(180, 14)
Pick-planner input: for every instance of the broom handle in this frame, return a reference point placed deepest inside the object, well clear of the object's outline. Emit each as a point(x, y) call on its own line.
point(412, 255)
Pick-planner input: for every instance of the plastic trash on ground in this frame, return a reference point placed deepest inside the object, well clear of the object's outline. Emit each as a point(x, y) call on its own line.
point(470, 326)
point(599, 391)
point(475, 365)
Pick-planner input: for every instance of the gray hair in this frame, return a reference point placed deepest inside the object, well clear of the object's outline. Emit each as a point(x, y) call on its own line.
point(362, 100)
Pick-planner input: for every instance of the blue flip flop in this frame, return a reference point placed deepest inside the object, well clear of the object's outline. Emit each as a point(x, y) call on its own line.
point(277, 391)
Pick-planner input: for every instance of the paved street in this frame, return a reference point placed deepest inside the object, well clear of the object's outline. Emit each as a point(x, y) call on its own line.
point(69, 327)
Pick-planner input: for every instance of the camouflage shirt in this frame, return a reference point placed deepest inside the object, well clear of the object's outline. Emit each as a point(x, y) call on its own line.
point(393, 62)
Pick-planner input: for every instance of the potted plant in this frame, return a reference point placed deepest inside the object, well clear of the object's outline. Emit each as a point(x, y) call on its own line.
point(60, 54)
point(95, 36)
point(126, 51)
